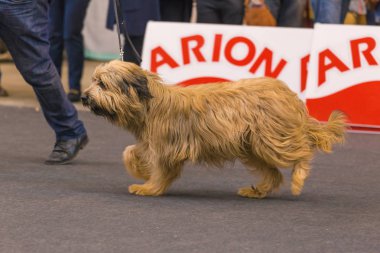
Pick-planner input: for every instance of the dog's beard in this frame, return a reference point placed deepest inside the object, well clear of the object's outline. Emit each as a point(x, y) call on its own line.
point(99, 111)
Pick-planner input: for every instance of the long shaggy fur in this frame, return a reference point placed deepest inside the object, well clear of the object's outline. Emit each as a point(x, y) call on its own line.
point(259, 121)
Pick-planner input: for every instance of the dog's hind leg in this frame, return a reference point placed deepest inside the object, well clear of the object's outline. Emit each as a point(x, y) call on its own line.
point(160, 179)
point(135, 162)
point(271, 179)
point(300, 173)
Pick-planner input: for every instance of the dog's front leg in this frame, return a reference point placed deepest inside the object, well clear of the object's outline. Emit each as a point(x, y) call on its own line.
point(160, 179)
point(135, 161)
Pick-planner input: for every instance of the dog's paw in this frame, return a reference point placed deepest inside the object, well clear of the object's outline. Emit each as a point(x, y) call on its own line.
point(251, 192)
point(143, 190)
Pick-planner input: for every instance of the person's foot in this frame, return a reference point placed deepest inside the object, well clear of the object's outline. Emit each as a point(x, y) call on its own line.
point(74, 95)
point(3, 93)
point(65, 151)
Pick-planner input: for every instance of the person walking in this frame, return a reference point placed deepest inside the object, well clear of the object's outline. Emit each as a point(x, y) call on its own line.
point(24, 29)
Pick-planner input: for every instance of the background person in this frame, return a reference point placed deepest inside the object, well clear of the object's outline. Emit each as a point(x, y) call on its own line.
point(3, 49)
point(137, 13)
point(176, 10)
point(220, 11)
point(66, 18)
point(288, 13)
point(373, 12)
point(330, 11)
point(3, 92)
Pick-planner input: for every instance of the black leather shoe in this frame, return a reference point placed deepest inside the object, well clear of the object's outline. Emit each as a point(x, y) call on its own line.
point(74, 96)
point(3, 93)
point(65, 151)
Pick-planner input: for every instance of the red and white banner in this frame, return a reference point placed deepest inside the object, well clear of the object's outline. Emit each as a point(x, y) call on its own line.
point(199, 53)
point(344, 74)
point(332, 67)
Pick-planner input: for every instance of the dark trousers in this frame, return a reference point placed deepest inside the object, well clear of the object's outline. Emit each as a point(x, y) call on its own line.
point(288, 13)
point(220, 11)
point(65, 26)
point(129, 55)
point(24, 29)
point(176, 10)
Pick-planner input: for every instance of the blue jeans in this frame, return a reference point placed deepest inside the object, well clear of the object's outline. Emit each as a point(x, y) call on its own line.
point(373, 16)
point(330, 11)
point(288, 13)
point(24, 29)
point(66, 18)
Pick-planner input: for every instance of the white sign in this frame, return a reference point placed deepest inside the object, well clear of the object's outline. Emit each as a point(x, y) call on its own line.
point(344, 73)
point(198, 53)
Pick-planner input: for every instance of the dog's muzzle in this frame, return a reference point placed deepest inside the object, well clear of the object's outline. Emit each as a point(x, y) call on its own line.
point(85, 100)
point(96, 109)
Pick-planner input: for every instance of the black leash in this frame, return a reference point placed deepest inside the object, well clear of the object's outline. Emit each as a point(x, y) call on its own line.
point(119, 16)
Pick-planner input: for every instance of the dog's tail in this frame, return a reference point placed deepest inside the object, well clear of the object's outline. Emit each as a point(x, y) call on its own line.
point(324, 136)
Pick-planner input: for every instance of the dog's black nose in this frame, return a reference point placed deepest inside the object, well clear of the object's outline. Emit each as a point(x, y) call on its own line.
point(84, 99)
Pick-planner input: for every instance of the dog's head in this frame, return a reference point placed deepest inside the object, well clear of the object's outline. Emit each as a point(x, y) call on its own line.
point(119, 91)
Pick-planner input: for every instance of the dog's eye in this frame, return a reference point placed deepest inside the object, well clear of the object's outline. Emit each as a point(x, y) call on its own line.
point(101, 85)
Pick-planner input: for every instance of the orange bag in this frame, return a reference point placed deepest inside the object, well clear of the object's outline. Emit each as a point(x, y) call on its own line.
point(258, 14)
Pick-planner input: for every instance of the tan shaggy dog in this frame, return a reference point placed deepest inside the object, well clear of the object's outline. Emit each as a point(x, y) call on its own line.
point(259, 121)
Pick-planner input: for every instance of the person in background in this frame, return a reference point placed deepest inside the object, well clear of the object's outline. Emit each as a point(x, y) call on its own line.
point(176, 10)
point(3, 92)
point(137, 13)
point(288, 13)
point(330, 11)
point(24, 29)
point(220, 11)
point(373, 12)
point(3, 49)
point(66, 18)
point(357, 12)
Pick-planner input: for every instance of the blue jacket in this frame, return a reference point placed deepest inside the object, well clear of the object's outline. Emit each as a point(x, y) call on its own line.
point(137, 13)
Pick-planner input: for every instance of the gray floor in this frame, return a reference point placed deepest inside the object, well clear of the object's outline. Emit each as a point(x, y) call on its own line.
point(85, 206)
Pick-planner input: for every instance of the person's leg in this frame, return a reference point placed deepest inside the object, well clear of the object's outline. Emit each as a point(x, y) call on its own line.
point(344, 9)
point(377, 15)
point(208, 12)
point(370, 17)
point(129, 55)
point(75, 12)
point(232, 11)
point(291, 13)
point(327, 11)
point(175, 10)
point(56, 11)
point(274, 7)
point(24, 28)
point(3, 92)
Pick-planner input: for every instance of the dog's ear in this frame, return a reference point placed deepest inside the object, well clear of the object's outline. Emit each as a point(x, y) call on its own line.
point(139, 82)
